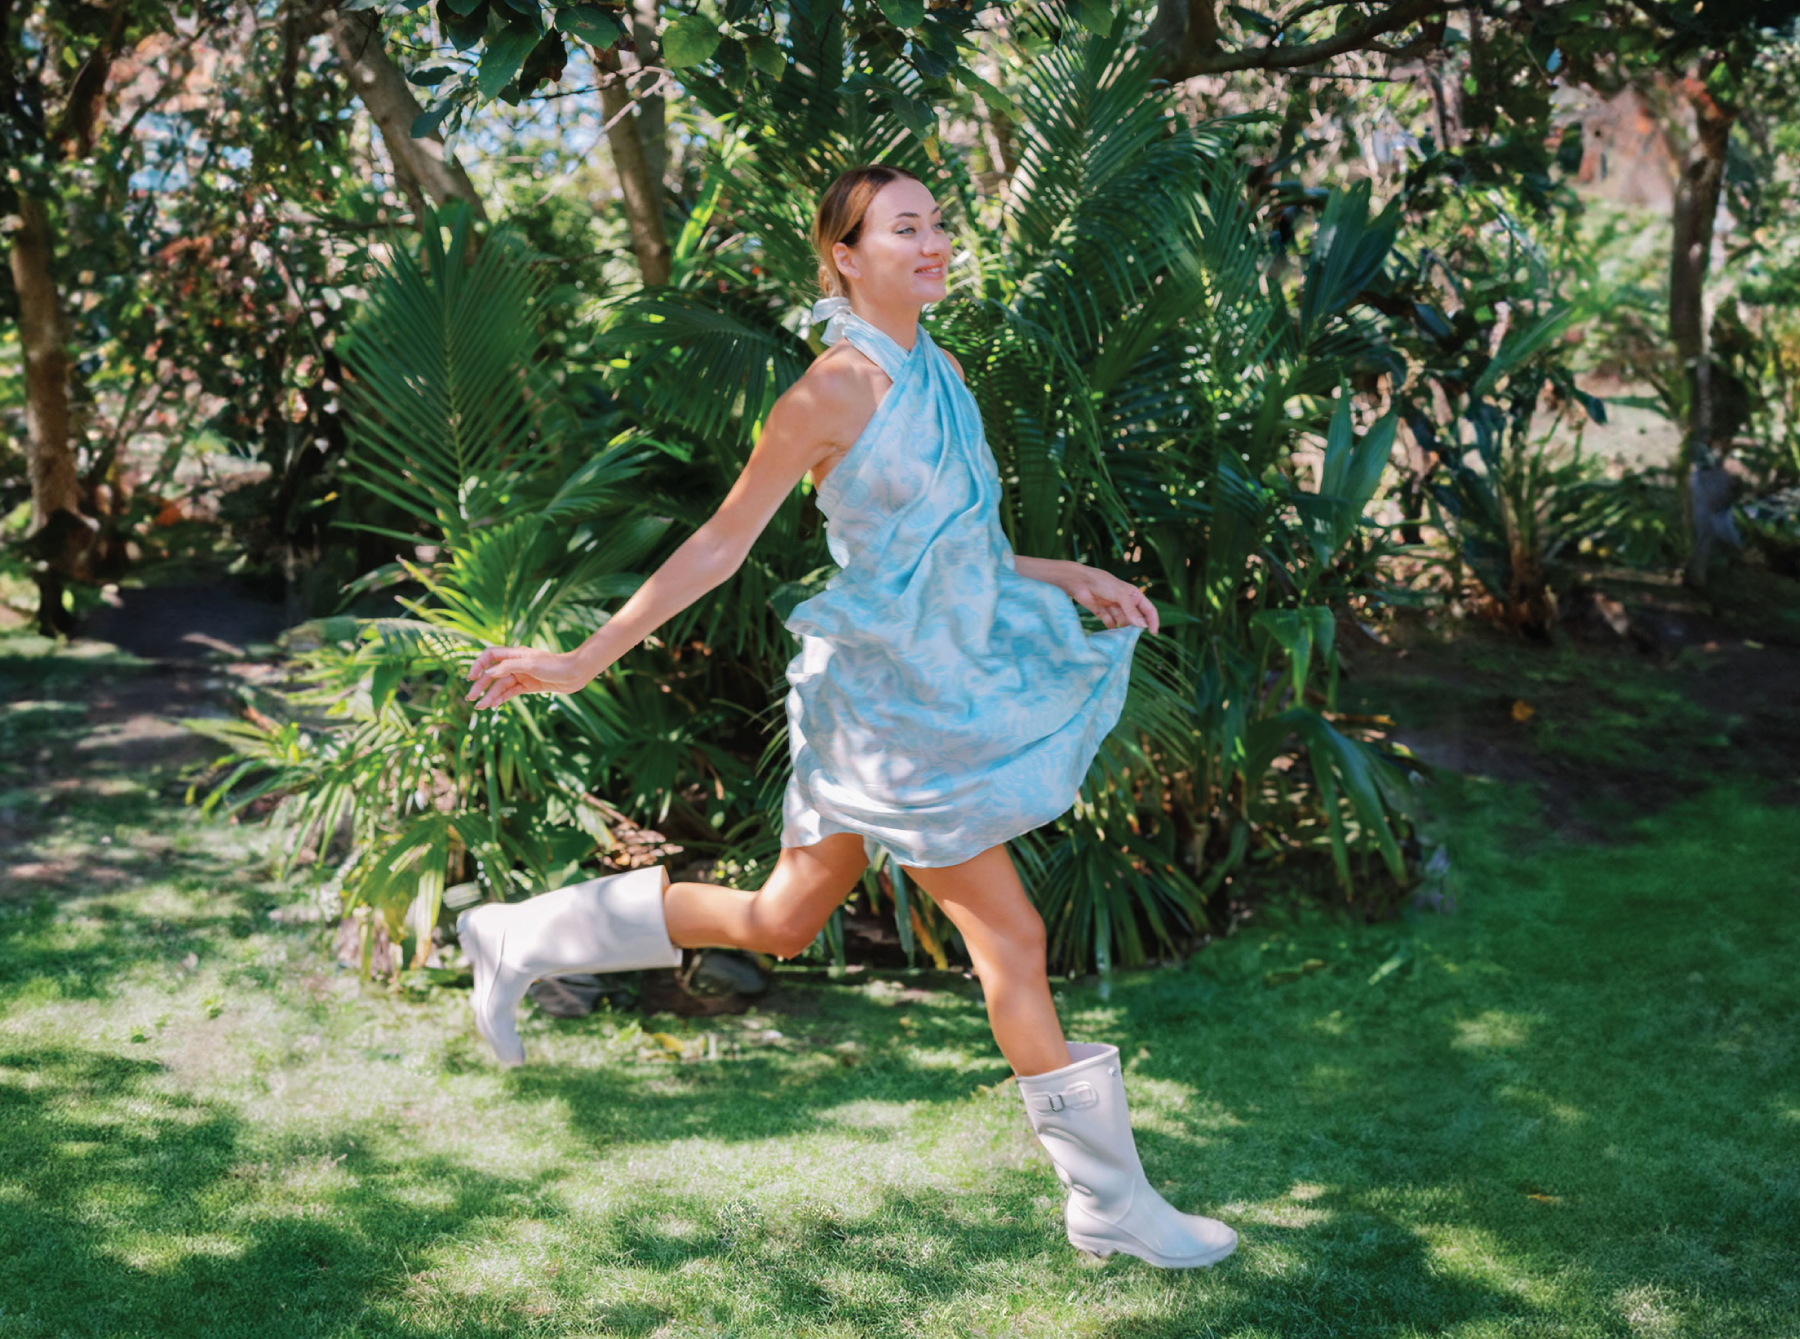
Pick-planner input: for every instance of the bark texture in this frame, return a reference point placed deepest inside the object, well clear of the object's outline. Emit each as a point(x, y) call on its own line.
point(1706, 487)
point(652, 108)
point(642, 190)
point(42, 332)
point(60, 534)
point(383, 90)
point(1185, 35)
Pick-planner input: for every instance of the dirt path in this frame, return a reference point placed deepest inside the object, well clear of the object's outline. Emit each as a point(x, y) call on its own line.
point(1649, 694)
point(97, 720)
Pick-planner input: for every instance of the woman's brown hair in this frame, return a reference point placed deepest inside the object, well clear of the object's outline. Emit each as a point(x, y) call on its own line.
point(840, 216)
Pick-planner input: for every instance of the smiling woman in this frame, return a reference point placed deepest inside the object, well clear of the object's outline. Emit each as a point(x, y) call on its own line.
point(945, 699)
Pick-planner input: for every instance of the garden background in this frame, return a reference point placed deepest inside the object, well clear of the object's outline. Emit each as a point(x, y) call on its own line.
point(1433, 368)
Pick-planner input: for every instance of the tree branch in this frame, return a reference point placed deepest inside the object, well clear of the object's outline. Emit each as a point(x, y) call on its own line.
point(1188, 62)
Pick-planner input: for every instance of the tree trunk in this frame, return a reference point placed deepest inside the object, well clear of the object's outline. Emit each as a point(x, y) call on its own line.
point(643, 192)
point(652, 109)
point(1182, 32)
point(1705, 487)
point(58, 529)
point(383, 90)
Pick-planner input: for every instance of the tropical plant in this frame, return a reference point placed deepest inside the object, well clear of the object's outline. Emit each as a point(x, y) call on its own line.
point(1144, 375)
point(455, 426)
point(1135, 359)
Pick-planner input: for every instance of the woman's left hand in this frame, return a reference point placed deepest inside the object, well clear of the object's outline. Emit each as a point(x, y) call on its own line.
point(1118, 603)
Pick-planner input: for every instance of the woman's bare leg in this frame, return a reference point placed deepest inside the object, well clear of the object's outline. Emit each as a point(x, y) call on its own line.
point(1005, 936)
point(780, 918)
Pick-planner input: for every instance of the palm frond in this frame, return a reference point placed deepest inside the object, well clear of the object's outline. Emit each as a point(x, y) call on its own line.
point(446, 409)
point(710, 365)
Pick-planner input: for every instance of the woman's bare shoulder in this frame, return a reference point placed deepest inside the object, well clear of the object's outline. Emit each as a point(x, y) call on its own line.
point(840, 387)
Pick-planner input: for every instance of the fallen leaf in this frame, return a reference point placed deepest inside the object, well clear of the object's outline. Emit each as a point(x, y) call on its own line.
point(1283, 976)
point(1523, 710)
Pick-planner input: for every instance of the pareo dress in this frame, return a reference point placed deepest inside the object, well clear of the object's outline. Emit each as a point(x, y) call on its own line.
point(940, 703)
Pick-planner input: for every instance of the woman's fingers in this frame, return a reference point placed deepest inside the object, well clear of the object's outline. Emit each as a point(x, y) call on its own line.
point(488, 656)
point(494, 659)
point(503, 687)
point(489, 666)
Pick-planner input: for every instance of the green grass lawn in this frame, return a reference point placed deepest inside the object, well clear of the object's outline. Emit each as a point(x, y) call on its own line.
point(1572, 1107)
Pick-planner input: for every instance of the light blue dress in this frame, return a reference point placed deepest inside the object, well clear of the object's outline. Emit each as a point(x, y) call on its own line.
point(940, 703)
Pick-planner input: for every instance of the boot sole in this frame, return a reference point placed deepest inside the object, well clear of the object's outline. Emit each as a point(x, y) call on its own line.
point(1103, 1247)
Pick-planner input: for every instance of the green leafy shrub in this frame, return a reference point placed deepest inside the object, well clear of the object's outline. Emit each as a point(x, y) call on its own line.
point(455, 427)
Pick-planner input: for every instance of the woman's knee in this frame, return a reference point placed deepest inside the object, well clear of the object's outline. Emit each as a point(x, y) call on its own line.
point(1026, 939)
point(793, 906)
point(789, 935)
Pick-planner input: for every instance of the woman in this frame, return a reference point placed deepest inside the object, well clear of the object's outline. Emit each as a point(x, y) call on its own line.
point(945, 698)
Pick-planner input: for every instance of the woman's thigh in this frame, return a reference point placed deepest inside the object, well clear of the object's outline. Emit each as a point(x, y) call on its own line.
point(985, 900)
point(811, 881)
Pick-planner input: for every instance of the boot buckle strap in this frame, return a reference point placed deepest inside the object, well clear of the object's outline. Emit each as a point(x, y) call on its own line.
point(1076, 1098)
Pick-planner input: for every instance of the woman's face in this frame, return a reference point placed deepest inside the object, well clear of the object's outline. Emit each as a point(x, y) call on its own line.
point(903, 251)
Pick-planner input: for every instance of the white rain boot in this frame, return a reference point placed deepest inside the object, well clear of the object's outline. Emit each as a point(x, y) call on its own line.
point(610, 924)
point(1078, 1113)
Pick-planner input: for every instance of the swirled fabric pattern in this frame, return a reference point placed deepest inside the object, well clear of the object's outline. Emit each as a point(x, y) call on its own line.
point(940, 703)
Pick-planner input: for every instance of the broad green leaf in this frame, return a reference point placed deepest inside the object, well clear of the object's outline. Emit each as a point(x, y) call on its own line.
point(1299, 633)
point(1094, 15)
point(1336, 760)
point(914, 113)
point(383, 681)
point(689, 40)
point(766, 55)
point(425, 124)
point(590, 23)
point(505, 53)
point(465, 29)
point(1350, 476)
point(1521, 346)
point(994, 98)
point(904, 13)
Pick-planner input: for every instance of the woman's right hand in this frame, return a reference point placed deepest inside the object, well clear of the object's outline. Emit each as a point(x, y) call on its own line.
point(503, 672)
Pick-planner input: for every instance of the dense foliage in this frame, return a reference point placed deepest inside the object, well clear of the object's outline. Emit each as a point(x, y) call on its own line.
point(1282, 350)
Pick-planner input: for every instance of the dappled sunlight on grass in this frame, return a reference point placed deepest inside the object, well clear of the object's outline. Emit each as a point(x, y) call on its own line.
point(1494, 1029)
point(1568, 1109)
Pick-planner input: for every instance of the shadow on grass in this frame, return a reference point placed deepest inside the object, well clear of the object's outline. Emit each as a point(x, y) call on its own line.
point(852, 1052)
point(133, 1210)
point(1595, 1078)
point(929, 1250)
point(79, 948)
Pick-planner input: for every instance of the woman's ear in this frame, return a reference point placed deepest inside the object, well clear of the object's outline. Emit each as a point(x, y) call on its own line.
point(846, 261)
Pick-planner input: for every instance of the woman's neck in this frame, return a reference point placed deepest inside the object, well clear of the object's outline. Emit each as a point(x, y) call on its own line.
point(899, 322)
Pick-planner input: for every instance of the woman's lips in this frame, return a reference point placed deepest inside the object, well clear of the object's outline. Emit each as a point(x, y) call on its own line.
point(931, 271)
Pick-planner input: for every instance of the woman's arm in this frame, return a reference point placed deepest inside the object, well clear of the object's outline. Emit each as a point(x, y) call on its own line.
point(800, 432)
point(1117, 602)
point(1054, 571)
